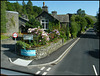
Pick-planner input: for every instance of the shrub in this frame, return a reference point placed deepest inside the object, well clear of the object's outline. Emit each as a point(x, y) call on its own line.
point(41, 35)
point(54, 35)
point(74, 29)
point(22, 45)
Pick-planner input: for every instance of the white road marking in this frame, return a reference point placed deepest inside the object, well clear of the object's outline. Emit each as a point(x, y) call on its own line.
point(48, 69)
point(10, 60)
point(22, 62)
point(38, 72)
point(66, 51)
point(42, 68)
point(44, 73)
point(95, 70)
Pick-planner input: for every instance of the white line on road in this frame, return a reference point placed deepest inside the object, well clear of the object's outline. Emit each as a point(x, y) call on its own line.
point(42, 68)
point(66, 51)
point(38, 72)
point(95, 70)
point(48, 69)
point(44, 73)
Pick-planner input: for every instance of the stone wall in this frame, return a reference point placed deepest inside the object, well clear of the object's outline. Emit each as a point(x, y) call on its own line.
point(47, 49)
point(13, 22)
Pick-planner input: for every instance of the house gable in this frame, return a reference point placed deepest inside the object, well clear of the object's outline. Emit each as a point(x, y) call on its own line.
point(45, 15)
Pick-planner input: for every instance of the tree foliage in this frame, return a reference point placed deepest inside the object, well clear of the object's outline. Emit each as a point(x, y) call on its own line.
point(26, 9)
point(98, 22)
point(79, 23)
point(90, 22)
point(29, 7)
point(3, 17)
point(33, 23)
point(67, 31)
point(81, 12)
point(74, 29)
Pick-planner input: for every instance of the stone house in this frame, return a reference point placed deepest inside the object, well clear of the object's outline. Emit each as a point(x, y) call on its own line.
point(45, 17)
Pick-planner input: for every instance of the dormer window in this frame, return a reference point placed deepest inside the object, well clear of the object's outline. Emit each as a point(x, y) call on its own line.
point(45, 23)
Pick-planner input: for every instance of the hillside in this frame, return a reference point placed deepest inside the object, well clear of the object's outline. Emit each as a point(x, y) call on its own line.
point(92, 17)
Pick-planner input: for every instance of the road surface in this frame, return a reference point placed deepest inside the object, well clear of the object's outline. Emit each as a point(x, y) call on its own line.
point(83, 58)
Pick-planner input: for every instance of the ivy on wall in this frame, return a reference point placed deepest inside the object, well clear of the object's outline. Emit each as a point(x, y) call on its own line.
point(12, 21)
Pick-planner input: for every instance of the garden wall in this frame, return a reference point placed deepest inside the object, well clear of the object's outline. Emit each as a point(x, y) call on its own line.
point(47, 49)
point(12, 24)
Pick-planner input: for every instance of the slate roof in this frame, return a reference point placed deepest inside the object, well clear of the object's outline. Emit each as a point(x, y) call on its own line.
point(61, 18)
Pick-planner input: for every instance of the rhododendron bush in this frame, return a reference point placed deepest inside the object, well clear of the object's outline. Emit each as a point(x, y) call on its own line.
point(42, 36)
point(54, 34)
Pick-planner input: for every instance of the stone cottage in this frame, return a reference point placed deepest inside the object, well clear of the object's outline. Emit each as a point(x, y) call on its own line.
point(45, 17)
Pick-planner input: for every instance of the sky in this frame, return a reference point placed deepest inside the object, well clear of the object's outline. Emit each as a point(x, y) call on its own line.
point(64, 7)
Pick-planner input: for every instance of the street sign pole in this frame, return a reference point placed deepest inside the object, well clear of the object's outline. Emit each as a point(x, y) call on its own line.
point(15, 35)
point(15, 45)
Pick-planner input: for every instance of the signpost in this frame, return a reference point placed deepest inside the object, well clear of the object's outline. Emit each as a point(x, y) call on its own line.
point(28, 37)
point(15, 35)
point(28, 52)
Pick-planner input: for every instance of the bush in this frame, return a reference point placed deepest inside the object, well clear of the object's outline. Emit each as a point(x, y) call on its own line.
point(22, 45)
point(74, 29)
point(41, 36)
point(54, 35)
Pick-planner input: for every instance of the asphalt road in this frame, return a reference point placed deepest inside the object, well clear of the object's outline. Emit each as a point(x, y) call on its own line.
point(83, 58)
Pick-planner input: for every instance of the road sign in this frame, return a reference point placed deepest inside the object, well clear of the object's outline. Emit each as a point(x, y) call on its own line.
point(28, 37)
point(15, 35)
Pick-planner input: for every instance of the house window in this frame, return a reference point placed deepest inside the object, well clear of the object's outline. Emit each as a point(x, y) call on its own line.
point(45, 23)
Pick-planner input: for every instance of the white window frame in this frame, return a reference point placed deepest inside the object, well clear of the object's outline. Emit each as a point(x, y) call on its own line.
point(45, 23)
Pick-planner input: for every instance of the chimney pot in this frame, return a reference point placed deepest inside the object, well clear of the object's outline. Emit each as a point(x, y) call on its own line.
point(43, 3)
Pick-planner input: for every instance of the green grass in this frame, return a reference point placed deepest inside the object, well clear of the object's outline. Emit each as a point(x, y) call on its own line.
point(4, 37)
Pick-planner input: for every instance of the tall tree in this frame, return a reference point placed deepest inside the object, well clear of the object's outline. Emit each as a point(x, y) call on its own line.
point(10, 6)
point(17, 7)
point(73, 29)
point(90, 22)
point(81, 12)
point(24, 7)
point(29, 8)
point(81, 22)
point(3, 17)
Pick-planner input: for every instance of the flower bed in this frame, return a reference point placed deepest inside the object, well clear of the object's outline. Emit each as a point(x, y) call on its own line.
point(40, 39)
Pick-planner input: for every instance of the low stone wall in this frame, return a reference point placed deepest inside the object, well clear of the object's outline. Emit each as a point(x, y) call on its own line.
point(47, 49)
point(43, 51)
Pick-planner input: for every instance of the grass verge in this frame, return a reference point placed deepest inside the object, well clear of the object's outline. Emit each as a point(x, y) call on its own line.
point(4, 37)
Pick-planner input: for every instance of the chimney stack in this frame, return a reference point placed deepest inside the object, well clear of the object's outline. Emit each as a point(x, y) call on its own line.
point(44, 8)
point(54, 13)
